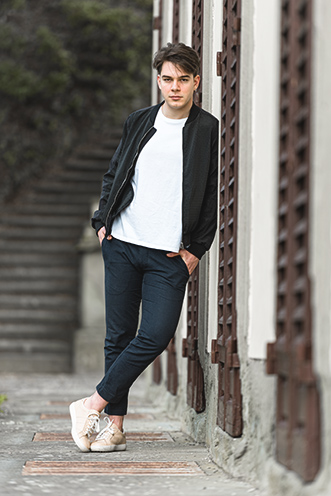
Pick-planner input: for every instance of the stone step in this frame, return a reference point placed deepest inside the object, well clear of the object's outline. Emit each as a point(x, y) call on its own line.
point(38, 286)
point(38, 273)
point(41, 220)
point(39, 263)
point(77, 177)
point(112, 143)
point(28, 315)
point(81, 211)
point(29, 356)
point(91, 154)
point(40, 246)
point(66, 199)
point(24, 330)
point(68, 187)
point(97, 166)
point(47, 232)
point(40, 301)
point(36, 345)
point(38, 260)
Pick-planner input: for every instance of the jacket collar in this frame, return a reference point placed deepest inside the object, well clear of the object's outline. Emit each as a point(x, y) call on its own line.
point(192, 115)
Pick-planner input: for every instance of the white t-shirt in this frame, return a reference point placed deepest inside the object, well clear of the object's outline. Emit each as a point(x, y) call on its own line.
point(154, 217)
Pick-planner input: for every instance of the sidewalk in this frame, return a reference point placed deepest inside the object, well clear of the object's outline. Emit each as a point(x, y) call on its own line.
point(38, 456)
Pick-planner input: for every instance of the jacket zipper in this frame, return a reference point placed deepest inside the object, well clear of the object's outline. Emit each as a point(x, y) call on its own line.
point(134, 160)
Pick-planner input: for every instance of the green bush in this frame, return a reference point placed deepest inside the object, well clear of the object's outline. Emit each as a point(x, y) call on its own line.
point(17, 82)
point(68, 68)
point(3, 398)
point(11, 42)
point(52, 48)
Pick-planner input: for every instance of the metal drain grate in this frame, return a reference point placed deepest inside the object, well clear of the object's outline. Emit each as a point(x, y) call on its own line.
point(131, 436)
point(67, 403)
point(66, 416)
point(111, 468)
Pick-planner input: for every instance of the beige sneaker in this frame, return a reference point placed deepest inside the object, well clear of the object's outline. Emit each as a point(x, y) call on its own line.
point(84, 423)
point(111, 438)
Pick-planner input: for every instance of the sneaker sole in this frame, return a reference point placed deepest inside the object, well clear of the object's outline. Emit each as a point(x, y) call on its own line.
point(73, 432)
point(113, 447)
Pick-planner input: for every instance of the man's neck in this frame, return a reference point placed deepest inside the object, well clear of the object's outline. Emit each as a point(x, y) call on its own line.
point(175, 113)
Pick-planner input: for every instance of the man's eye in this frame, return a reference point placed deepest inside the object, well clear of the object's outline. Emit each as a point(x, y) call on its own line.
point(166, 80)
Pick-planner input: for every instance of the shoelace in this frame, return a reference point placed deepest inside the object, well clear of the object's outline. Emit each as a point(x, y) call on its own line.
point(93, 424)
point(107, 430)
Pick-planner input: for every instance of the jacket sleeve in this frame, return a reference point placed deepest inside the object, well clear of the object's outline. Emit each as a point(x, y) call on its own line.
point(108, 179)
point(202, 236)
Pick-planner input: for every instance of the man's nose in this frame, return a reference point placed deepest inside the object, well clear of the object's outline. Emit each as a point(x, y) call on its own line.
point(175, 85)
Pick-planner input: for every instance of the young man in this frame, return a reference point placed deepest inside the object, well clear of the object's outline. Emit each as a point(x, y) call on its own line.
point(157, 217)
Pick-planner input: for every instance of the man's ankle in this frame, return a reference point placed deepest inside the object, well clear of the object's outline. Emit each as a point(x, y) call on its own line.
point(95, 402)
point(117, 420)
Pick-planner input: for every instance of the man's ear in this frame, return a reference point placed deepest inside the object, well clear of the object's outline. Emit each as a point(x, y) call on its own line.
point(159, 81)
point(196, 82)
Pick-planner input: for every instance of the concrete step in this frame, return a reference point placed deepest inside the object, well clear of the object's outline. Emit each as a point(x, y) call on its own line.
point(39, 263)
point(38, 301)
point(42, 220)
point(78, 177)
point(38, 260)
point(41, 246)
point(25, 330)
point(102, 154)
point(28, 315)
point(47, 232)
point(81, 164)
point(38, 273)
point(30, 208)
point(39, 286)
point(69, 187)
point(67, 199)
point(35, 356)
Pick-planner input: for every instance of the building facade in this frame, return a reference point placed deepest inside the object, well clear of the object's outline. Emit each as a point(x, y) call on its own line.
point(249, 371)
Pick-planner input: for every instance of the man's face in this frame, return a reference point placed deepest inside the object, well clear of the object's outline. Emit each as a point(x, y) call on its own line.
point(177, 88)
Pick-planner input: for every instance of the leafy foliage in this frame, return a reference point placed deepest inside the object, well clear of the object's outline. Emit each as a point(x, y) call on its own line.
point(68, 68)
point(3, 398)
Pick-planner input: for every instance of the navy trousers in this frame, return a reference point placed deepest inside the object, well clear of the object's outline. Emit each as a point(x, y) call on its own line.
point(133, 275)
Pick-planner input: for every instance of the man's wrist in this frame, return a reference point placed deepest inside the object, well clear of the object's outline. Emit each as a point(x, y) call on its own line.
point(196, 249)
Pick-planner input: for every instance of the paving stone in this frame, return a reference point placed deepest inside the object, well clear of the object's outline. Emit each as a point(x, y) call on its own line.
point(38, 457)
point(115, 468)
point(149, 437)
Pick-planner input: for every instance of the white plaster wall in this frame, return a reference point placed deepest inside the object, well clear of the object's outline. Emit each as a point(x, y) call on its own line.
point(320, 222)
point(265, 125)
point(155, 45)
point(212, 88)
point(167, 24)
point(185, 22)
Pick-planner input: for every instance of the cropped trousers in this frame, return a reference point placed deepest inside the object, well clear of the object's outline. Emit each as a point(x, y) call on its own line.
point(137, 276)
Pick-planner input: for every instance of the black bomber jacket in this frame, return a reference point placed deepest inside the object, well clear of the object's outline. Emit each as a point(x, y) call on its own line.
point(200, 171)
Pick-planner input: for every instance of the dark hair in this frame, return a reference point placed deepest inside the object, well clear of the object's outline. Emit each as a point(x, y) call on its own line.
point(180, 55)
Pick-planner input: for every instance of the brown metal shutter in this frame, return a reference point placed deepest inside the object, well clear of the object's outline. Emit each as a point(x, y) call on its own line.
point(172, 371)
point(158, 24)
point(224, 348)
point(197, 27)
point(290, 357)
point(195, 381)
point(175, 26)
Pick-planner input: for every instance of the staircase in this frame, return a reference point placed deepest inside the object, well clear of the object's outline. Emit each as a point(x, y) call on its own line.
point(39, 263)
